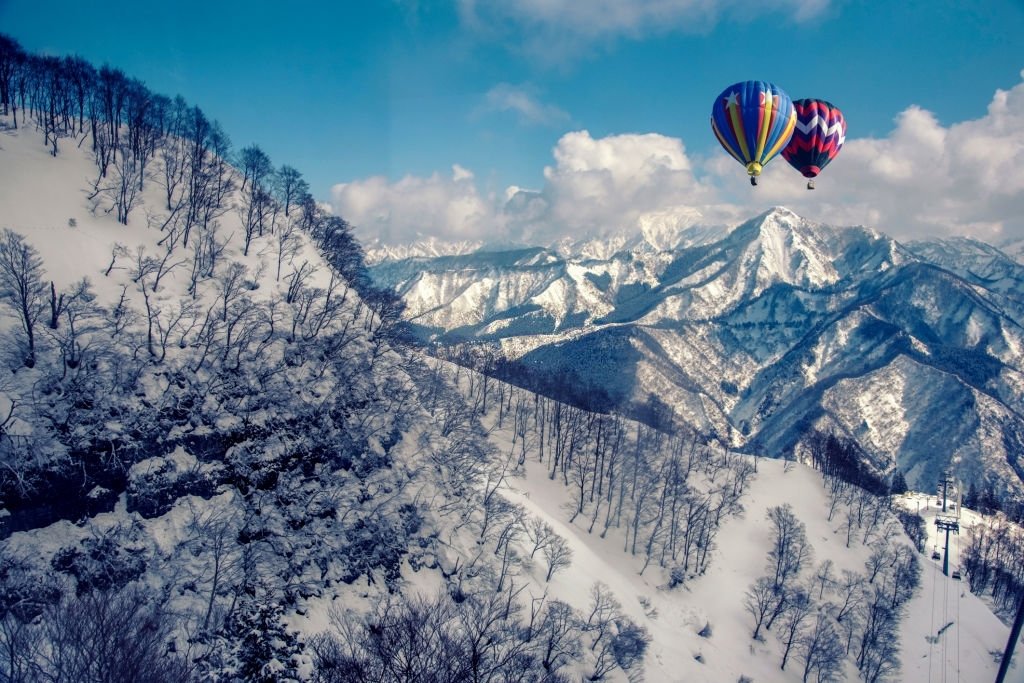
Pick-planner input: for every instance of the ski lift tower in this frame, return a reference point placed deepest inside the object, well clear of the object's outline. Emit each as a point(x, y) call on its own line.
point(948, 520)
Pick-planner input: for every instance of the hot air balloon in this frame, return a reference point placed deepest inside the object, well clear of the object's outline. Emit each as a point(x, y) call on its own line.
point(819, 135)
point(753, 121)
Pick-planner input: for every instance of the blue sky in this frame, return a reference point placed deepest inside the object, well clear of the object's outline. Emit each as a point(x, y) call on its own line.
point(416, 118)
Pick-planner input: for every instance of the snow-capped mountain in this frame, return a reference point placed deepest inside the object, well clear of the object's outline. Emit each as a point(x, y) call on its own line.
point(377, 251)
point(758, 334)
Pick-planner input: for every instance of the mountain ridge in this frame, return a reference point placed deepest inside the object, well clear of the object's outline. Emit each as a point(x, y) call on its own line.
point(780, 311)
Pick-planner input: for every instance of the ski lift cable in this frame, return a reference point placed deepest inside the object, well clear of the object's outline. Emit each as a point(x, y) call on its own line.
point(931, 627)
point(945, 620)
point(955, 555)
point(959, 595)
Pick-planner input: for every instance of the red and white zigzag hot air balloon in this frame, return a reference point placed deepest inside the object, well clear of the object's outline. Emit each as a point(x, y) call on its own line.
point(819, 135)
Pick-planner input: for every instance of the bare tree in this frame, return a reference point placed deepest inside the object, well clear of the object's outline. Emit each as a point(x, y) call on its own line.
point(128, 180)
point(558, 633)
point(790, 550)
point(297, 280)
point(905, 575)
point(799, 609)
point(21, 644)
point(849, 590)
point(22, 287)
point(881, 558)
point(558, 555)
point(623, 649)
point(290, 188)
point(230, 286)
point(477, 639)
point(169, 322)
point(256, 167)
point(604, 608)
point(80, 316)
point(106, 637)
point(825, 577)
point(504, 548)
point(117, 251)
point(540, 533)
point(851, 527)
point(288, 245)
point(879, 641)
point(210, 534)
point(26, 596)
point(761, 598)
point(173, 153)
point(12, 56)
point(254, 212)
point(164, 266)
point(821, 650)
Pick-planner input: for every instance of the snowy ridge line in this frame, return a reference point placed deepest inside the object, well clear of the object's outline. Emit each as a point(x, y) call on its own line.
point(711, 329)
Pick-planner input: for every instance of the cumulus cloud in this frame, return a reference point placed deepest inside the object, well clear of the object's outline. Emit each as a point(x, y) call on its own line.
point(448, 206)
point(595, 186)
point(524, 101)
point(923, 179)
point(607, 184)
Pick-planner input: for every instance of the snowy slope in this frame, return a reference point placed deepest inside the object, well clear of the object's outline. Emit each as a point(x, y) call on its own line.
point(41, 195)
point(961, 652)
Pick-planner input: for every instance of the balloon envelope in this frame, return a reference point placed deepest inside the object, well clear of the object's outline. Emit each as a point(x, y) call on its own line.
point(819, 135)
point(753, 121)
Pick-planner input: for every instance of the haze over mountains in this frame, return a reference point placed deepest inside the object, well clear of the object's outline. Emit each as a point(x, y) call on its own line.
point(758, 334)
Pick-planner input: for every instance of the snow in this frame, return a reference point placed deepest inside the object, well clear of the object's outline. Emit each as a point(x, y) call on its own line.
point(39, 205)
point(180, 460)
point(962, 651)
point(969, 646)
point(881, 405)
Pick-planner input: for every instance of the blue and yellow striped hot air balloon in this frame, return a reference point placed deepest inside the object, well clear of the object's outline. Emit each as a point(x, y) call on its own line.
point(753, 120)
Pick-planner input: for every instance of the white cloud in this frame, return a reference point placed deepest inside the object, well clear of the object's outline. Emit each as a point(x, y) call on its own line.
point(524, 101)
point(556, 29)
point(460, 173)
point(923, 179)
point(596, 186)
point(446, 206)
point(601, 185)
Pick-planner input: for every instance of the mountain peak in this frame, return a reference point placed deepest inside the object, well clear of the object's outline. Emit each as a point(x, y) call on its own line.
point(781, 218)
point(780, 212)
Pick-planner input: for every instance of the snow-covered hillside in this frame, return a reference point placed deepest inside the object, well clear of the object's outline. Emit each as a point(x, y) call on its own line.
point(964, 650)
point(946, 632)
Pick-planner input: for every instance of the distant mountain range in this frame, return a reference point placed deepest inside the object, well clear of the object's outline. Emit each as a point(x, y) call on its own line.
point(758, 334)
